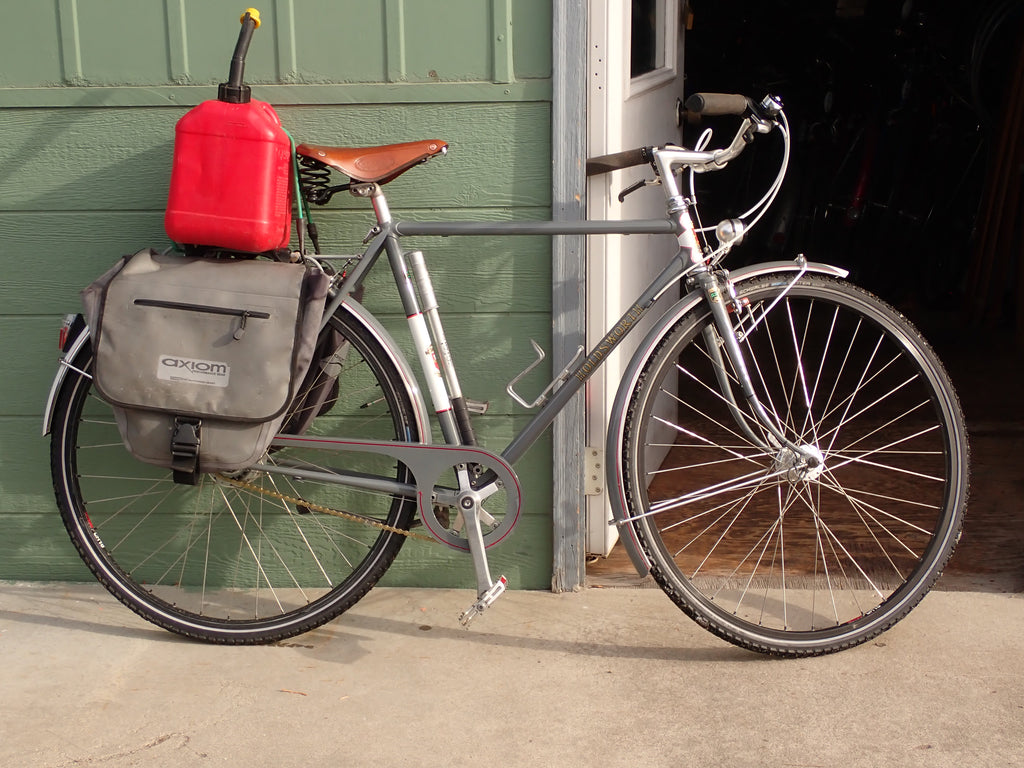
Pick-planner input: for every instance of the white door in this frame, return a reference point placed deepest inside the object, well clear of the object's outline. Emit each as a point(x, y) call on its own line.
point(636, 78)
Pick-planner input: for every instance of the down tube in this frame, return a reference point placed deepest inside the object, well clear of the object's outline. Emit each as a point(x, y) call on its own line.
point(522, 442)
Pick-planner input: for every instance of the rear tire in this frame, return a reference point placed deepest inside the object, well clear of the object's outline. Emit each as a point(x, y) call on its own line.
point(761, 547)
point(227, 564)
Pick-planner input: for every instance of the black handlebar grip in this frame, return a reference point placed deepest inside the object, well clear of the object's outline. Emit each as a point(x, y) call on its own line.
point(712, 104)
point(618, 160)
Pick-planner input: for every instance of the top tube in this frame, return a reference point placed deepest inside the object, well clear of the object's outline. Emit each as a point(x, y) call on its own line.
point(625, 227)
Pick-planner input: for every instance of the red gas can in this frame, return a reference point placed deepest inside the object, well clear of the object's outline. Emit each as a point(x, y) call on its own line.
point(230, 179)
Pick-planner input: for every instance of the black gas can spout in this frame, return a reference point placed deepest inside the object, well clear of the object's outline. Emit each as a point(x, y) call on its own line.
point(233, 91)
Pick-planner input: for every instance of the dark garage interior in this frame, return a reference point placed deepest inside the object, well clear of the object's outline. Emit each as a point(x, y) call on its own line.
point(906, 170)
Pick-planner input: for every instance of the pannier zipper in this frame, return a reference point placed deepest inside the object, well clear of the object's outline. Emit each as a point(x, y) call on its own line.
point(242, 314)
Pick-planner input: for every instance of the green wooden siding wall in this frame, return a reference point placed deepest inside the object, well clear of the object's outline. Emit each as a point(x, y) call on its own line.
point(90, 91)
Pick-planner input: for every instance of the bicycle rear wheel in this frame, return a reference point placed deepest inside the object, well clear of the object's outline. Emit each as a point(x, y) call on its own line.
point(232, 563)
point(762, 548)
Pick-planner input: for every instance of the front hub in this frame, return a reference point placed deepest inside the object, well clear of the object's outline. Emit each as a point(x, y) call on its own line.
point(806, 464)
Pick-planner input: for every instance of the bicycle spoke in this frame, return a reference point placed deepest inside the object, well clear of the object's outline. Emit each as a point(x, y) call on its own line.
point(862, 505)
point(699, 465)
point(332, 534)
point(739, 506)
point(713, 421)
point(862, 459)
point(737, 453)
point(753, 479)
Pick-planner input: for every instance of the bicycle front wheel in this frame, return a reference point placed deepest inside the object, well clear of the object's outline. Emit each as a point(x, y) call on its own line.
point(254, 556)
point(809, 551)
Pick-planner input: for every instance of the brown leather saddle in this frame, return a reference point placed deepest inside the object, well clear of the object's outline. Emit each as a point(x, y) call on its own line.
point(374, 164)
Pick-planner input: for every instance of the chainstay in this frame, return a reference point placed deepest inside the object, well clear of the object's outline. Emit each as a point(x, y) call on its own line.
point(324, 510)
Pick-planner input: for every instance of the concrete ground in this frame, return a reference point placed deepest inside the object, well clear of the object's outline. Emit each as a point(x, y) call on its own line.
point(603, 677)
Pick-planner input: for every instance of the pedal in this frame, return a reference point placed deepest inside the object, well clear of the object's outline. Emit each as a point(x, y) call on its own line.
point(484, 602)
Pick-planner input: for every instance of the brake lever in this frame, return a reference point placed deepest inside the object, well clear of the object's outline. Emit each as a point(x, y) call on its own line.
point(639, 185)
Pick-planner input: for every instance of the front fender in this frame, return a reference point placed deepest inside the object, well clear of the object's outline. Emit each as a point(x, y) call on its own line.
point(617, 421)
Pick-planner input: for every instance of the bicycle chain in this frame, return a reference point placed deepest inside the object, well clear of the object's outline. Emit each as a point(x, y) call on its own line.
point(325, 510)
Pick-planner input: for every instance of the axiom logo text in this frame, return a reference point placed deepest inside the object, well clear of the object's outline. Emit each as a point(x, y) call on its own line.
point(183, 369)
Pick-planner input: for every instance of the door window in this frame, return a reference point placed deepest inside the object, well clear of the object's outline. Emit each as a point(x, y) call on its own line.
point(652, 42)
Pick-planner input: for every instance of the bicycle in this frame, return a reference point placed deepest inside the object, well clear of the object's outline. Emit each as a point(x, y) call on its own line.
point(788, 458)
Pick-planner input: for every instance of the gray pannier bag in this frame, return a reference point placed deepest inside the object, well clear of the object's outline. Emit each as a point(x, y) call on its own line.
point(202, 358)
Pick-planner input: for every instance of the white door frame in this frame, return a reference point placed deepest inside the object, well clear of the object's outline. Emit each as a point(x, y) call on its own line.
point(623, 113)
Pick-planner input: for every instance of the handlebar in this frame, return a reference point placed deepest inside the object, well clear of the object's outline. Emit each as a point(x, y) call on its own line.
point(619, 160)
point(759, 118)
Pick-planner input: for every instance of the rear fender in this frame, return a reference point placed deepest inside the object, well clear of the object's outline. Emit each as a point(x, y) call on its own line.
point(420, 412)
point(77, 336)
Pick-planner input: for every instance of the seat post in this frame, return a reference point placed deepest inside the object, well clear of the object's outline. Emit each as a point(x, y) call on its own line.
point(380, 205)
point(373, 191)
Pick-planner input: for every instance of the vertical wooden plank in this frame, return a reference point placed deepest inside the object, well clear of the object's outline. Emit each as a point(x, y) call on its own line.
point(501, 26)
point(394, 33)
point(177, 41)
point(287, 49)
point(568, 149)
point(70, 41)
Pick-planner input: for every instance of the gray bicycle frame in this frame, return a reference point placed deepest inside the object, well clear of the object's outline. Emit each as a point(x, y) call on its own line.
point(387, 241)
point(428, 334)
point(688, 260)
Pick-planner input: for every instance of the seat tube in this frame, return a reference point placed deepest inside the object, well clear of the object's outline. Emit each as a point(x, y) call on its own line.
point(425, 349)
point(442, 354)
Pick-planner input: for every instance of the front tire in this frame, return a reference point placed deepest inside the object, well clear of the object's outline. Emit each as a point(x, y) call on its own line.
point(766, 549)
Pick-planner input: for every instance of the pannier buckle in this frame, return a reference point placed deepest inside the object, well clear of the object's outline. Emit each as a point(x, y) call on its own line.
point(185, 442)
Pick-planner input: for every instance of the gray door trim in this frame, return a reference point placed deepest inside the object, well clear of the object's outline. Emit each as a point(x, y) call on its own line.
point(568, 151)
